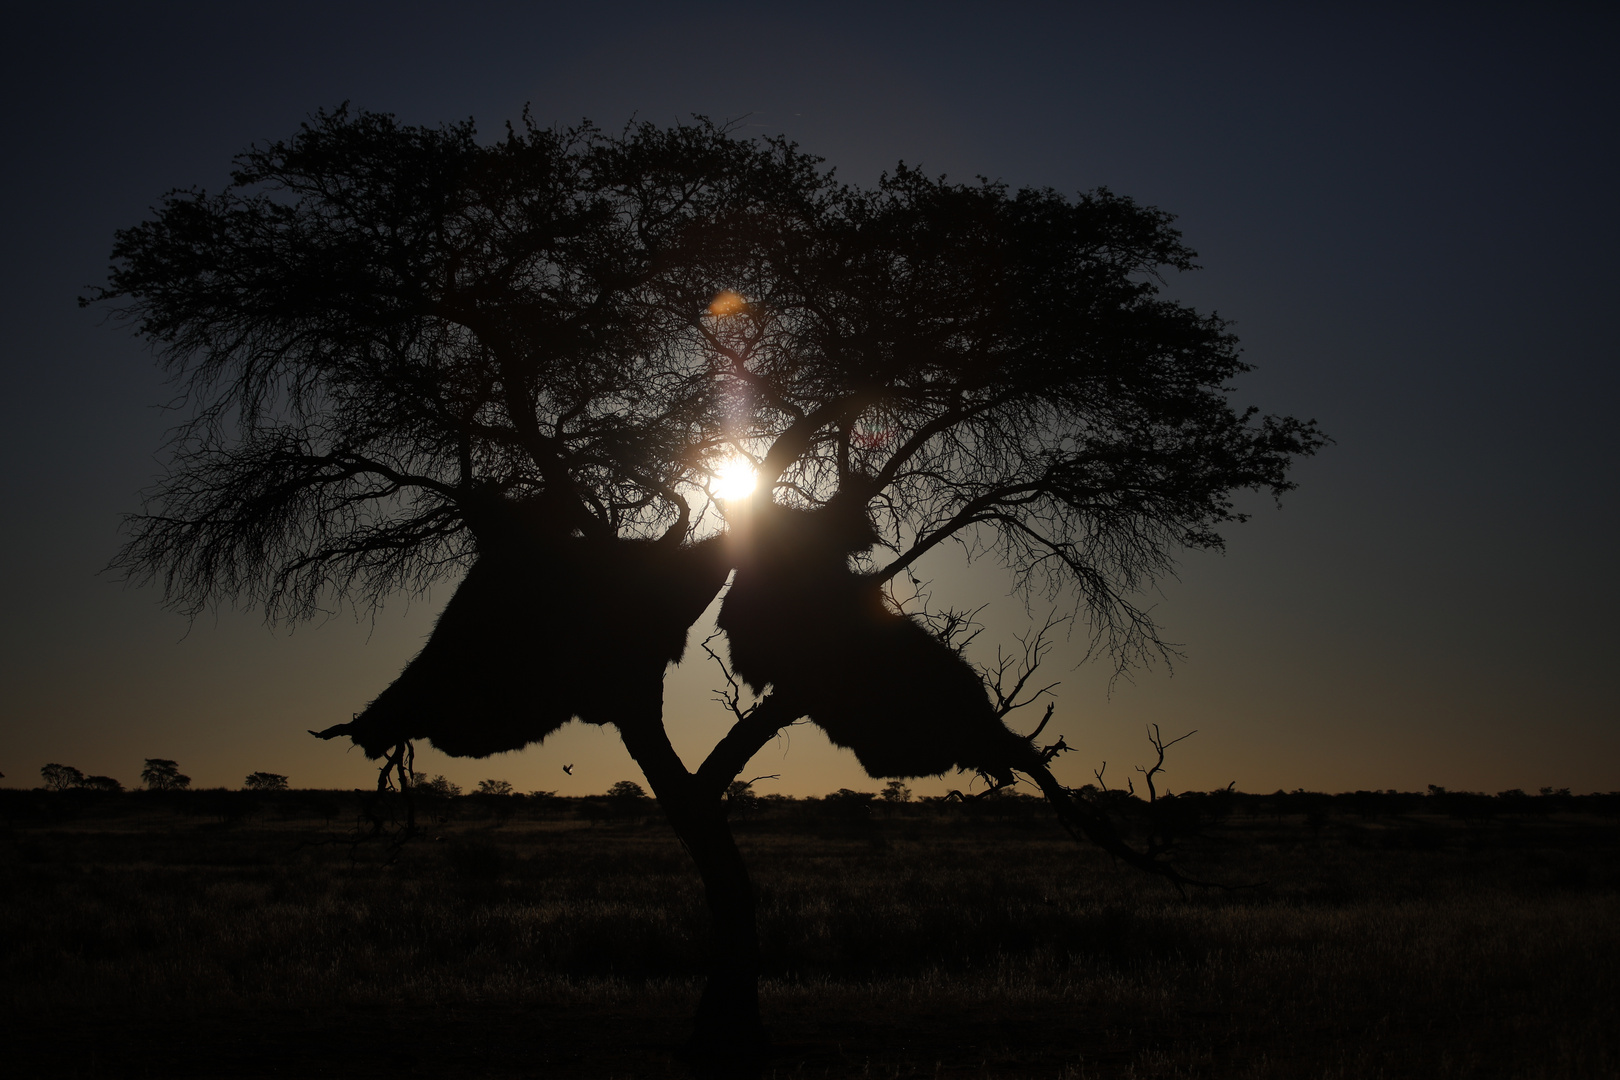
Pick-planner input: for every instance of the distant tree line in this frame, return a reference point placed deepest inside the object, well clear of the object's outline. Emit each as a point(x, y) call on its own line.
point(1385, 818)
point(163, 774)
point(157, 774)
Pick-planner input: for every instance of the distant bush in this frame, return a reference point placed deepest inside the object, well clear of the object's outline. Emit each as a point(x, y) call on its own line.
point(626, 789)
point(265, 781)
point(437, 786)
point(741, 801)
point(845, 804)
point(102, 783)
point(495, 787)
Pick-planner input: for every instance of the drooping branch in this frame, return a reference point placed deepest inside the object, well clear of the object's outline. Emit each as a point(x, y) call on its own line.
point(1080, 817)
point(1085, 821)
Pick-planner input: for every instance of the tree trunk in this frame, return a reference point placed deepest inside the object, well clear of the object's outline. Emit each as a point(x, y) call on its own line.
point(727, 1027)
point(727, 1023)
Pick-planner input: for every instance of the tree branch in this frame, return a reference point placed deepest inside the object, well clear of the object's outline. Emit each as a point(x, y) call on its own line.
point(758, 726)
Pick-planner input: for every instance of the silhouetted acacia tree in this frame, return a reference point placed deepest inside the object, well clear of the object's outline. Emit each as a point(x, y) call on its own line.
point(59, 777)
point(411, 355)
point(162, 774)
point(265, 781)
point(444, 789)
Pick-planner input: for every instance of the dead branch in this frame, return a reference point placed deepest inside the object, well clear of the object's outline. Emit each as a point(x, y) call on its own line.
point(1052, 750)
point(1051, 707)
point(1019, 669)
point(1083, 819)
point(732, 695)
point(996, 784)
point(379, 810)
point(1158, 766)
point(1088, 818)
point(1130, 788)
point(955, 628)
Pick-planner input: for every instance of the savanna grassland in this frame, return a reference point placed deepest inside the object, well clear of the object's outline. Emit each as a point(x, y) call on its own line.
point(240, 935)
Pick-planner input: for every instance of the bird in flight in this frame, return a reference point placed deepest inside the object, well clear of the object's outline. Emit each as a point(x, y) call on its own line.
point(569, 769)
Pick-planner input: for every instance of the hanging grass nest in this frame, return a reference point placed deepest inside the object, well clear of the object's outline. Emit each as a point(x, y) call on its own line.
point(877, 682)
point(536, 636)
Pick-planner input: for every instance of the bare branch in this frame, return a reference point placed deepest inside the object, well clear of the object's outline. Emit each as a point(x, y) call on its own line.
point(731, 697)
point(1160, 745)
point(746, 738)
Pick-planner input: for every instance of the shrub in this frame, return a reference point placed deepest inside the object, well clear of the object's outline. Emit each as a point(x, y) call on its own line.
point(438, 786)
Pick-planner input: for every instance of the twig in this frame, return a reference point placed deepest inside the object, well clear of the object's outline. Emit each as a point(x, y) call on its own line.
point(731, 696)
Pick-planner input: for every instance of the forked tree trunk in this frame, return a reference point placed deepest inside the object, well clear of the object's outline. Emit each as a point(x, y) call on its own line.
point(727, 1026)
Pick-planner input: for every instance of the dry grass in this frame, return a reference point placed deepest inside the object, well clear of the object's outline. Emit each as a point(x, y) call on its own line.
point(152, 943)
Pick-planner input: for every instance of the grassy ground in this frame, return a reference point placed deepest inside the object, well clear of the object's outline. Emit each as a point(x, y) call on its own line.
point(144, 938)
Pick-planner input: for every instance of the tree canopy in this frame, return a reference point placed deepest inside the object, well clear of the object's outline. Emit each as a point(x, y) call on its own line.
point(395, 341)
point(163, 774)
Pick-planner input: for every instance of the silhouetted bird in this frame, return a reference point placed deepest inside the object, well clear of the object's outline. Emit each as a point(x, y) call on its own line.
point(569, 769)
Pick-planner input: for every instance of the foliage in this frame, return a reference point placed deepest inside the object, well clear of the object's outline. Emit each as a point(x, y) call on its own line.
point(162, 774)
point(495, 787)
point(265, 781)
point(895, 792)
point(387, 333)
point(439, 786)
point(60, 777)
point(626, 789)
point(741, 799)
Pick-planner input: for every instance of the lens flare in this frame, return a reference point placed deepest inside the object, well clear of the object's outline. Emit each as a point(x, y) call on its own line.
point(727, 303)
point(734, 479)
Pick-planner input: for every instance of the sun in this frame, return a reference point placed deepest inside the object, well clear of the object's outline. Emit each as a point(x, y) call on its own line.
point(734, 479)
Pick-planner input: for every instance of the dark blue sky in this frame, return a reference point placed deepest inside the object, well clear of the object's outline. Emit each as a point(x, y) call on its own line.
point(1411, 219)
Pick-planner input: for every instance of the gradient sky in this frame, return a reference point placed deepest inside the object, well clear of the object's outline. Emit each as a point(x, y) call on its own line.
point(1411, 219)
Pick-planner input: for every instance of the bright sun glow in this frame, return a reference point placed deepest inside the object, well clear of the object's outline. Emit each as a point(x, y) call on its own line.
point(727, 303)
point(734, 479)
